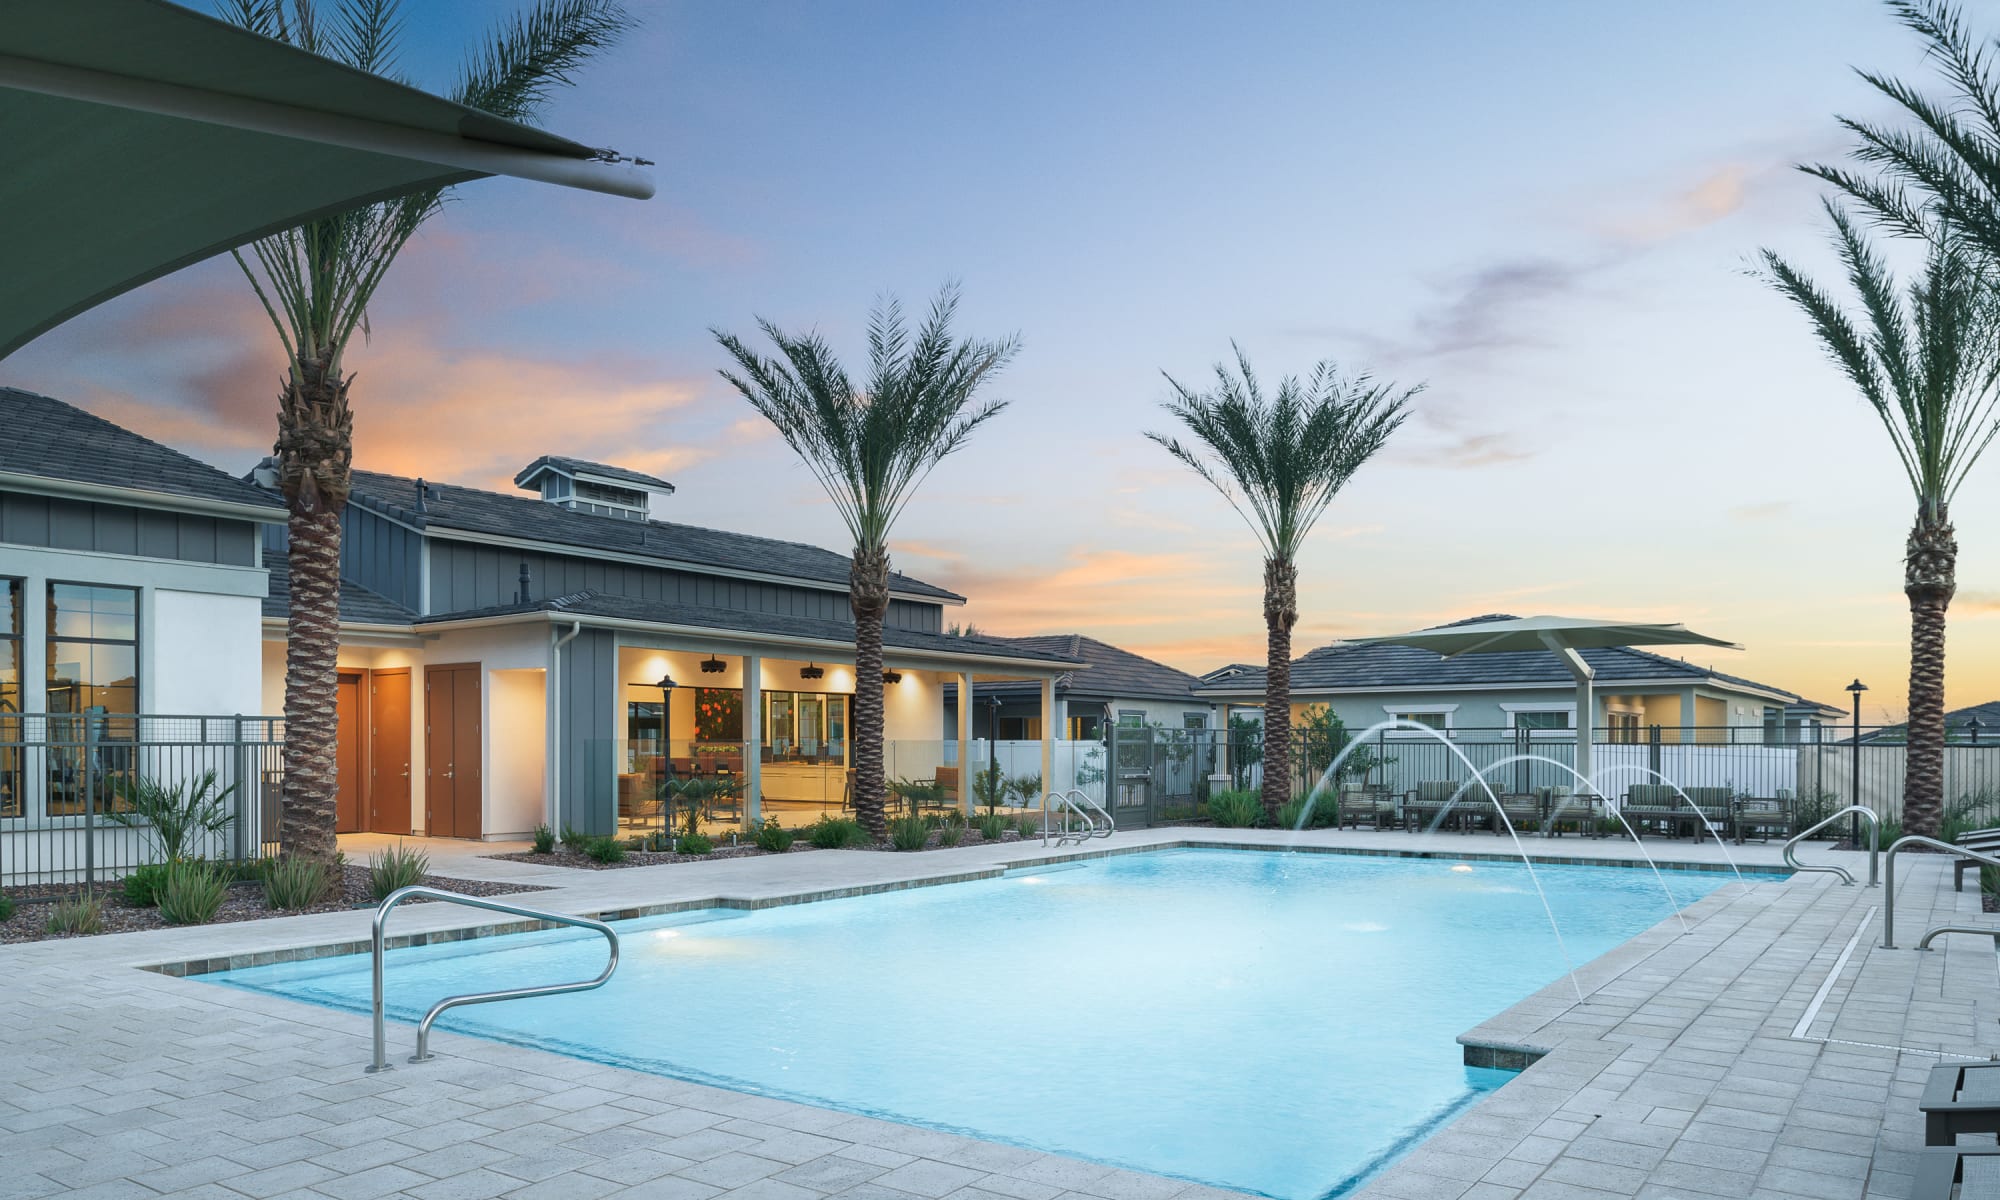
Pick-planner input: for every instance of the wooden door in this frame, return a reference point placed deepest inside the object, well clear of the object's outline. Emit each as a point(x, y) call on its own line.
point(350, 806)
point(389, 751)
point(452, 795)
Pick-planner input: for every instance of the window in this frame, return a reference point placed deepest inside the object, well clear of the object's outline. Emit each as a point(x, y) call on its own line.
point(11, 783)
point(1541, 720)
point(93, 649)
point(802, 725)
point(1020, 729)
point(1086, 728)
point(1194, 720)
point(1436, 716)
point(1436, 720)
point(1131, 718)
point(1624, 727)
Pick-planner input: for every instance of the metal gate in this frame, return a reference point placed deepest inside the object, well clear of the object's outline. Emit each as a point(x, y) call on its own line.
point(1158, 775)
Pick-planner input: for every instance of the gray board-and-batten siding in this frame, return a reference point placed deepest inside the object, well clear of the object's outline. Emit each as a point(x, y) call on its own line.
point(587, 731)
point(59, 523)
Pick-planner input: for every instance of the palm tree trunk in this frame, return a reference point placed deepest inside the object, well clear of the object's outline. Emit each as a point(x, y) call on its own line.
point(868, 586)
point(315, 456)
point(1930, 576)
point(1281, 612)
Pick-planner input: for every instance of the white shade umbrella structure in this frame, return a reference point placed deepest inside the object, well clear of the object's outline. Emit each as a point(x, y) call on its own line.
point(1562, 635)
point(137, 136)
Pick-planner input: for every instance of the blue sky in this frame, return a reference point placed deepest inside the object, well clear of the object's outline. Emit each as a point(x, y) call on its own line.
point(1545, 211)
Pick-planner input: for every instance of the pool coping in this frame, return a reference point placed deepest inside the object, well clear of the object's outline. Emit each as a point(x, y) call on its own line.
point(1490, 1054)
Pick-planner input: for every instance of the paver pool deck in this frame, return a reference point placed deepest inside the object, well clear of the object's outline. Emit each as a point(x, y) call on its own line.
point(1774, 1050)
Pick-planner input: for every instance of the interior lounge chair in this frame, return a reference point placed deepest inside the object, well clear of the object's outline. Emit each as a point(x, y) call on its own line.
point(1984, 841)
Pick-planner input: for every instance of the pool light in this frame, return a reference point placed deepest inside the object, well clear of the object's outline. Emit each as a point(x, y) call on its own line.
point(1463, 867)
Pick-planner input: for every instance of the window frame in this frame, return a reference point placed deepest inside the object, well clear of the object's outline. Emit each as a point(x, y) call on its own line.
point(50, 637)
point(1402, 711)
point(1568, 711)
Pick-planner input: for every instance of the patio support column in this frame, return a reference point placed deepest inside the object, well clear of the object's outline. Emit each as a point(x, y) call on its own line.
point(753, 737)
point(1689, 722)
point(1048, 734)
point(1585, 703)
point(965, 764)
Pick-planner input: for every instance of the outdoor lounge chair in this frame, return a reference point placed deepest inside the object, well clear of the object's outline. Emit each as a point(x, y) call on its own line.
point(1524, 810)
point(1985, 841)
point(1957, 1173)
point(1361, 803)
point(1756, 815)
point(1960, 1098)
point(1423, 804)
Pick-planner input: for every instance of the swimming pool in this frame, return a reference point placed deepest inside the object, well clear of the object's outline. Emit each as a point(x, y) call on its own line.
point(1275, 1023)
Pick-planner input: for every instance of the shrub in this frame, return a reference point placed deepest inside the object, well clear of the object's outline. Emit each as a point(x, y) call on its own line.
point(143, 886)
point(992, 826)
point(659, 842)
point(395, 868)
point(574, 838)
point(697, 843)
point(1234, 809)
point(1028, 825)
point(951, 835)
point(774, 837)
point(295, 883)
point(6, 908)
point(179, 815)
point(605, 849)
point(1293, 811)
point(1026, 788)
point(909, 833)
point(955, 816)
point(545, 840)
point(193, 893)
point(78, 914)
point(1892, 831)
point(253, 870)
point(836, 833)
point(636, 842)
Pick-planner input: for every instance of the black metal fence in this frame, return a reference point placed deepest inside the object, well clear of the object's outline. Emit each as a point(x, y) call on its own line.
point(1163, 775)
point(87, 798)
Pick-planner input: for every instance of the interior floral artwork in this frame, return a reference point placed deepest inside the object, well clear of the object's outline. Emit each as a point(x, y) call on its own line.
point(718, 714)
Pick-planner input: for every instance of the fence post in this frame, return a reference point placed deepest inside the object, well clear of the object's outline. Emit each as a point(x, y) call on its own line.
point(89, 804)
point(247, 793)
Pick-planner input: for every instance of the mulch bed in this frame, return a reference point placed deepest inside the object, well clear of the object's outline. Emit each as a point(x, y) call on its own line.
point(563, 856)
point(245, 902)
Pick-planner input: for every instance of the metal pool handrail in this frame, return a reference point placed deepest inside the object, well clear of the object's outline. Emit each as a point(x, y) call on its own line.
point(1889, 878)
point(1090, 810)
point(1874, 845)
point(1931, 935)
point(378, 943)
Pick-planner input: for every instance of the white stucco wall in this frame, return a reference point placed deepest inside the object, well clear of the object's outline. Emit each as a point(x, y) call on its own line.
point(205, 655)
point(516, 751)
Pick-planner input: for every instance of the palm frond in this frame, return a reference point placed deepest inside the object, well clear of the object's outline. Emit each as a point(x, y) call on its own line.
point(872, 449)
point(1280, 462)
point(514, 74)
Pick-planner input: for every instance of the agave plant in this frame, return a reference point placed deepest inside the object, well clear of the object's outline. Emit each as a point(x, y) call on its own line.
point(179, 814)
point(316, 282)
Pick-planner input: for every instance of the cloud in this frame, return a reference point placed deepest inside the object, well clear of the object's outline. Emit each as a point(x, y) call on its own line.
point(1976, 603)
point(1471, 450)
point(1721, 192)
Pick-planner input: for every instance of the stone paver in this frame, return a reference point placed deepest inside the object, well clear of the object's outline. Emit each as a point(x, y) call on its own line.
point(1677, 1076)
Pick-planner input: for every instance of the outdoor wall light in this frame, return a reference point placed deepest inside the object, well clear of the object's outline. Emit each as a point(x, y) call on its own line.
point(713, 666)
point(811, 671)
point(892, 677)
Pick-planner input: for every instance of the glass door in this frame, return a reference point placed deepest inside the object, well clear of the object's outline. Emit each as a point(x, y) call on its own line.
point(812, 734)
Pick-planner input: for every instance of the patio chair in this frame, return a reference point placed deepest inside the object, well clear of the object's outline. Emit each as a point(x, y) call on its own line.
point(1985, 841)
point(1957, 1173)
point(1424, 803)
point(1563, 811)
point(1960, 1098)
point(1755, 815)
point(1360, 803)
point(1525, 811)
point(1715, 804)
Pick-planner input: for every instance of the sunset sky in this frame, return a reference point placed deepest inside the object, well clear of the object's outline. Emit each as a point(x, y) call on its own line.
point(1545, 211)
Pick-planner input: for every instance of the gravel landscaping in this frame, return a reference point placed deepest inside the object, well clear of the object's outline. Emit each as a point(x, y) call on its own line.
point(244, 903)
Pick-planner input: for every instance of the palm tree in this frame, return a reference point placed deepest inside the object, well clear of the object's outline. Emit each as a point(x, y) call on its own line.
point(315, 282)
point(870, 450)
point(1927, 362)
point(1279, 462)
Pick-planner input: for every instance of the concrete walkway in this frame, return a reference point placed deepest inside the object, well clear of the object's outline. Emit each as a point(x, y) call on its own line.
point(1680, 1074)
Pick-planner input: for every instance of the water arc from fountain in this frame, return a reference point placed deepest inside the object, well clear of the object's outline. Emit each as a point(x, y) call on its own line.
point(1721, 843)
point(1361, 739)
point(1672, 904)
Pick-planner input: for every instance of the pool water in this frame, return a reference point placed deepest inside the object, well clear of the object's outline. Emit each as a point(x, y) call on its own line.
point(1273, 1023)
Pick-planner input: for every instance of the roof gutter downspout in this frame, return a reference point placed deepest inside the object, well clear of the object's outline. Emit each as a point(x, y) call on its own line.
point(553, 804)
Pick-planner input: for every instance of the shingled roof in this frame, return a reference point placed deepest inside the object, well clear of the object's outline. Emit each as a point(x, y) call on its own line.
point(43, 438)
point(450, 507)
point(663, 612)
point(1345, 667)
point(1111, 672)
point(358, 605)
point(579, 466)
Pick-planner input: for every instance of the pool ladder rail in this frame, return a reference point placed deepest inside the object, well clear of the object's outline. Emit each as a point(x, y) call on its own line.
point(378, 944)
point(1846, 877)
point(1073, 818)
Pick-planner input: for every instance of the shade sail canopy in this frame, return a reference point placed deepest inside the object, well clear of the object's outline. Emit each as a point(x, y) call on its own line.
point(137, 136)
point(1542, 633)
point(1563, 635)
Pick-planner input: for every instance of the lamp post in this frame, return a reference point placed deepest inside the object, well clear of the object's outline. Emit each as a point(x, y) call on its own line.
point(1854, 819)
point(1972, 727)
point(993, 748)
point(666, 686)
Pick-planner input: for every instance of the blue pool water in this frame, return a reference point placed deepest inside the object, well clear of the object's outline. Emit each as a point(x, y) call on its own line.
point(1280, 1024)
